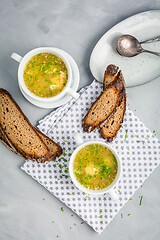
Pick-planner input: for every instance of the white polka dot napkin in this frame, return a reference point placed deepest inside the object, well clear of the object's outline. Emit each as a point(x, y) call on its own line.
point(139, 151)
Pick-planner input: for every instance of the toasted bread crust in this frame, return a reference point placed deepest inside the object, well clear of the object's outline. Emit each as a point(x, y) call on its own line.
point(103, 127)
point(4, 140)
point(10, 146)
point(58, 151)
point(121, 96)
point(112, 136)
point(110, 75)
point(20, 151)
point(117, 85)
point(52, 156)
point(115, 118)
point(6, 143)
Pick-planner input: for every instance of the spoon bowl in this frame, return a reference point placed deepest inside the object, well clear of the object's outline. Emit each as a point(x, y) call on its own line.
point(129, 46)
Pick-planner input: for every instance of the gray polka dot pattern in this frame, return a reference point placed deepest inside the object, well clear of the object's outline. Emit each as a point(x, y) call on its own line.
point(140, 155)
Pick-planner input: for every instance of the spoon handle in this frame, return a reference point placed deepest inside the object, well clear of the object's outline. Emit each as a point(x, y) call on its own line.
point(155, 39)
point(155, 53)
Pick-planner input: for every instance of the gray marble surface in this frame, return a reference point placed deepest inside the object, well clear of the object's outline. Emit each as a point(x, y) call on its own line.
point(74, 26)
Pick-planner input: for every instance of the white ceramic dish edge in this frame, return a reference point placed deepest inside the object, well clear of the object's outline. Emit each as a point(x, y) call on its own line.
point(138, 70)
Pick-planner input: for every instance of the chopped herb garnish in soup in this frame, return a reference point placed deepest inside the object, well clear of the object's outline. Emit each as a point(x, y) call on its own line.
point(95, 167)
point(45, 75)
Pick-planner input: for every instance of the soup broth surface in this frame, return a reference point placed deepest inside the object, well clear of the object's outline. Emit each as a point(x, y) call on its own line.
point(45, 75)
point(95, 167)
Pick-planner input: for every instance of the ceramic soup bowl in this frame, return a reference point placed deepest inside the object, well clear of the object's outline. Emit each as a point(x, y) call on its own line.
point(110, 188)
point(22, 63)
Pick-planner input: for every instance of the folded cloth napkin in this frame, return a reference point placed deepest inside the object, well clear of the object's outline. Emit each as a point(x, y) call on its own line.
point(137, 147)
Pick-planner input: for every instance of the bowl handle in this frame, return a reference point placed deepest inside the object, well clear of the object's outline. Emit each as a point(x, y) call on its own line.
point(73, 93)
point(113, 195)
point(78, 139)
point(16, 57)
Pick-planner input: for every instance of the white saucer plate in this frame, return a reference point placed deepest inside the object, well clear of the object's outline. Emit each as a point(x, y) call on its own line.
point(136, 70)
point(67, 97)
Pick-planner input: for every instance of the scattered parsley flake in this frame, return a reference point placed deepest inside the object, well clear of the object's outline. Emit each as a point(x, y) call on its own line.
point(82, 222)
point(74, 224)
point(100, 212)
point(64, 175)
point(121, 215)
point(140, 203)
point(62, 209)
point(141, 186)
point(129, 214)
point(66, 141)
point(60, 166)
point(69, 193)
point(100, 216)
point(86, 198)
point(57, 236)
point(46, 162)
point(66, 170)
point(43, 198)
point(72, 215)
point(101, 221)
point(154, 132)
point(128, 149)
point(147, 139)
point(138, 141)
point(118, 190)
point(126, 135)
point(130, 198)
point(62, 158)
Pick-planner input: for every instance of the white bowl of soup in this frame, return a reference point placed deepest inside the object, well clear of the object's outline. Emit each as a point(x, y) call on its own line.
point(45, 74)
point(95, 167)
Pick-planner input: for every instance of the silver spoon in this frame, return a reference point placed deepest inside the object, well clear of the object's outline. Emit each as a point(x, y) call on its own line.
point(129, 46)
point(155, 39)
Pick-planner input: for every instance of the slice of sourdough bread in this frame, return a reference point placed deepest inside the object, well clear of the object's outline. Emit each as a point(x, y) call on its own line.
point(110, 75)
point(6, 143)
point(19, 131)
point(110, 129)
point(113, 123)
point(103, 107)
point(54, 149)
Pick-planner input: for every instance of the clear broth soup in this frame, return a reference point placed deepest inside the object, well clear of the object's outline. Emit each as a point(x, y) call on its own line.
point(45, 75)
point(95, 167)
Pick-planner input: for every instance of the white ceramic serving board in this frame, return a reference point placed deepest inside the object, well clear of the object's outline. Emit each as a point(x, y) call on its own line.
point(136, 70)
